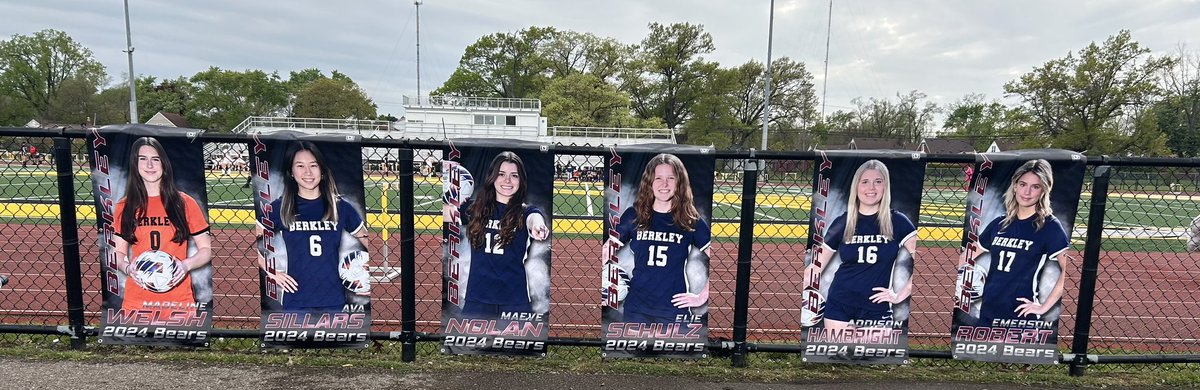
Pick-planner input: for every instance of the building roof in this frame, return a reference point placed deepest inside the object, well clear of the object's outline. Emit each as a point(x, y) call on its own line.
point(875, 143)
point(168, 119)
point(945, 146)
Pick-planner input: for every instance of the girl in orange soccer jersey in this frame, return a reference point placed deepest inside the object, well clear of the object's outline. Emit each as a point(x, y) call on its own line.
point(155, 215)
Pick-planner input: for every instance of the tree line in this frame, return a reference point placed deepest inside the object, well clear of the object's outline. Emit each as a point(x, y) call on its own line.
point(1111, 97)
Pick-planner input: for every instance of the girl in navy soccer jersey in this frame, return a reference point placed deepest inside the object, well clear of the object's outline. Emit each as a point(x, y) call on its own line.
point(660, 230)
point(311, 217)
point(862, 294)
point(1021, 243)
point(499, 227)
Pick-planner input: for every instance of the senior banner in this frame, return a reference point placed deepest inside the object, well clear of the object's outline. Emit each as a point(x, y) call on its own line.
point(496, 206)
point(1011, 275)
point(655, 262)
point(311, 239)
point(859, 261)
point(154, 241)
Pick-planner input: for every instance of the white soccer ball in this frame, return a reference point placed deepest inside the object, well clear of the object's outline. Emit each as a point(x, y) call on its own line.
point(155, 270)
point(622, 282)
point(355, 272)
point(813, 309)
point(466, 182)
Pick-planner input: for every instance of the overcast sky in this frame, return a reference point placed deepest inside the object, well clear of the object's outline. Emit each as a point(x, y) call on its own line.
point(878, 48)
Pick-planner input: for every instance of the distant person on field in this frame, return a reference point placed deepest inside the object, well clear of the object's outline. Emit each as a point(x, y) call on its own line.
point(1193, 235)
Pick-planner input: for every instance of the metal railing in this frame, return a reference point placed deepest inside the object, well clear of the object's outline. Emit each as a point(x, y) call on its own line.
point(1129, 300)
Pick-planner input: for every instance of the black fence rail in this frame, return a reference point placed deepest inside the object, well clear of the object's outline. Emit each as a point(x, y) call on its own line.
point(1130, 294)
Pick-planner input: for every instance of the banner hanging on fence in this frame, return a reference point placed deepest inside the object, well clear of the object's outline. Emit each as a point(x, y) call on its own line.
point(312, 240)
point(496, 204)
point(154, 240)
point(859, 257)
point(655, 286)
point(1008, 295)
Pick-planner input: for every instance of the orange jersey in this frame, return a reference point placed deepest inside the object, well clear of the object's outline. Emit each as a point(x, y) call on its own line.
point(154, 231)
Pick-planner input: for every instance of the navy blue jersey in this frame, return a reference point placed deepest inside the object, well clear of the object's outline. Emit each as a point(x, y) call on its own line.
point(1018, 254)
point(498, 272)
point(868, 260)
point(659, 255)
point(313, 247)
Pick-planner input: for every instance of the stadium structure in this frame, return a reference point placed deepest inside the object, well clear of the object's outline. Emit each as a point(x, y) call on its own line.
point(453, 117)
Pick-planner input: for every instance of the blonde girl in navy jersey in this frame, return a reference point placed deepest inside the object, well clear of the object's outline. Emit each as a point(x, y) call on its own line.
point(1021, 244)
point(500, 227)
point(867, 240)
point(661, 228)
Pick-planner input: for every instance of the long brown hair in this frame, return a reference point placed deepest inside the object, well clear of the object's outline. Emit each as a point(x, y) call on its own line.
point(136, 198)
point(683, 211)
point(329, 194)
point(485, 204)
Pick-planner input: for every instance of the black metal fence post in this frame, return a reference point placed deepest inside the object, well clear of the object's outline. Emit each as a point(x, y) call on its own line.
point(70, 240)
point(741, 298)
point(408, 254)
point(1091, 262)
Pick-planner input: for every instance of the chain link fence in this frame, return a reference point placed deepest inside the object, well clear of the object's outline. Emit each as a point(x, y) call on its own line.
point(1144, 302)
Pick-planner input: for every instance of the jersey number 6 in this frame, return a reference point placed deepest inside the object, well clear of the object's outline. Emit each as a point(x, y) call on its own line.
point(314, 245)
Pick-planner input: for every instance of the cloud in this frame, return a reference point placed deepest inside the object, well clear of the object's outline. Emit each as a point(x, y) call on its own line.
point(877, 48)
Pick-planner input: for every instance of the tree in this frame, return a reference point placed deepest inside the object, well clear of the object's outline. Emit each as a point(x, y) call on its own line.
point(225, 98)
point(569, 53)
point(167, 96)
point(34, 68)
point(1076, 98)
point(906, 120)
point(502, 65)
point(1140, 134)
point(335, 99)
point(666, 79)
point(793, 101)
point(73, 102)
point(15, 111)
point(584, 100)
point(1178, 114)
point(982, 122)
point(345, 93)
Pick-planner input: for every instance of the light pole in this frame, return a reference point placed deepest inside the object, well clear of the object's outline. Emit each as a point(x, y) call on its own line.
point(133, 114)
point(767, 80)
point(418, 4)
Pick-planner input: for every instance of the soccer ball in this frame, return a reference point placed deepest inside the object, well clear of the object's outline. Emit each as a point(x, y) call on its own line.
point(976, 276)
point(355, 273)
point(622, 282)
point(466, 182)
point(813, 309)
point(155, 270)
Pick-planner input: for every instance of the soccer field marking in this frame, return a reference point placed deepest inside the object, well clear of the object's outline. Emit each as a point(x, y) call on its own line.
point(740, 207)
point(47, 197)
point(235, 202)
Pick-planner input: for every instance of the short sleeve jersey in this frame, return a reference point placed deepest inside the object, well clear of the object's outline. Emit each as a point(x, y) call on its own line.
point(868, 260)
point(498, 272)
point(313, 251)
point(154, 231)
point(660, 252)
point(1019, 252)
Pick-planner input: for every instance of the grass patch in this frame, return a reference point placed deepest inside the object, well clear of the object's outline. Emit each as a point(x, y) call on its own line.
point(762, 367)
